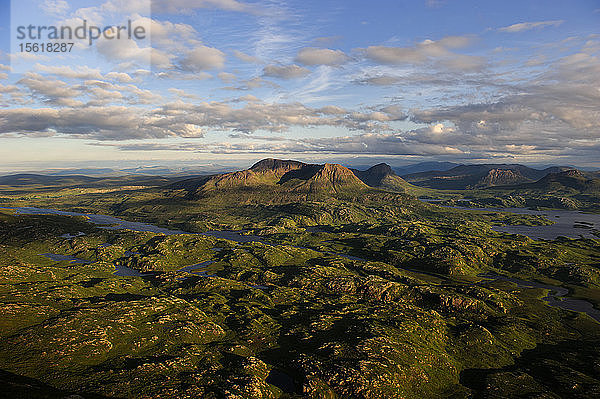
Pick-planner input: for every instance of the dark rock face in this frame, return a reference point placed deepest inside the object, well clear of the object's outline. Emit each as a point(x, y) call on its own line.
point(375, 174)
point(382, 176)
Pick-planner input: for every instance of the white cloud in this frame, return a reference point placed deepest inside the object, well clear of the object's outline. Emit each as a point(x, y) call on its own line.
point(317, 56)
point(55, 7)
point(186, 6)
point(226, 77)
point(438, 52)
point(79, 72)
point(133, 54)
point(525, 26)
point(285, 72)
point(246, 58)
point(50, 90)
point(203, 58)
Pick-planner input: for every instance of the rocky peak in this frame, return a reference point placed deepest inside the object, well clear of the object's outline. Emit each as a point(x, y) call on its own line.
point(276, 165)
point(499, 177)
point(571, 173)
point(382, 169)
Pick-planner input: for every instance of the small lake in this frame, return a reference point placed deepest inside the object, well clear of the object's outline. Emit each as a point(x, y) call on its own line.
point(556, 295)
point(571, 224)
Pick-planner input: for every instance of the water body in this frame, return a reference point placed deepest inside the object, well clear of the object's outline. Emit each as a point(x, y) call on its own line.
point(197, 269)
point(555, 297)
point(69, 258)
point(571, 224)
point(113, 223)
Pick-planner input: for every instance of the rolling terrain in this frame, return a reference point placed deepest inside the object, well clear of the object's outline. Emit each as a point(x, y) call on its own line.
point(334, 283)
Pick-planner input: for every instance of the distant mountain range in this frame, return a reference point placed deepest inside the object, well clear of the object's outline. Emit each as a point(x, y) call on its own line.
point(480, 176)
point(45, 182)
point(296, 176)
point(571, 180)
point(425, 167)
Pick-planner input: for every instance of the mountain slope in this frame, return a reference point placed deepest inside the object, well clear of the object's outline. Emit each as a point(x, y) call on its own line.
point(332, 178)
point(271, 178)
point(501, 177)
point(569, 180)
point(425, 167)
point(382, 176)
point(266, 172)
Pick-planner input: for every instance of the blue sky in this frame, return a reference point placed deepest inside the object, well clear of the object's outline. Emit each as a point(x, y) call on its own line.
point(229, 82)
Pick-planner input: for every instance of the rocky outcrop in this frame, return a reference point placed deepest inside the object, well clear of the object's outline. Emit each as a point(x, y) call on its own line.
point(501, 177)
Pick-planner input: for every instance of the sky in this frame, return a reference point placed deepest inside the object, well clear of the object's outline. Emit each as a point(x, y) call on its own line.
point(232, 81)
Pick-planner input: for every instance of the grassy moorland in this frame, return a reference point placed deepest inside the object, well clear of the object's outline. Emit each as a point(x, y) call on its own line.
point(353, 291)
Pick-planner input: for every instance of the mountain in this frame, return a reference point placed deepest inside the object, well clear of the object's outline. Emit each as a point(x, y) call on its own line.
point(425, 167)
point(501, 177)
point(479, 176)
point(569, 180)
point(267, 171)
point(382, 176)
point(332, 178)
point(278, 176)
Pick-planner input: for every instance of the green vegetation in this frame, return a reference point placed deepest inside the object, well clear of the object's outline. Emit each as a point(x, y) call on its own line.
point(353, 292)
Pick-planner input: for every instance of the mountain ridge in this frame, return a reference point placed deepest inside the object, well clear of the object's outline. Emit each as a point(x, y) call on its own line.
point(476, 176)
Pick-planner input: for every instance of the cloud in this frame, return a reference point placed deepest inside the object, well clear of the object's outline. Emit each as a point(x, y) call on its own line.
point(525, 26)
point(103, 123)
point(203, 58)
point(316, 56)
point(55, 7)
point(131, 52)
point(179, 118)
point(187, 6)
point(249, 98)
point(173, 6)
point(380, 80)
point(246, 58)
point(50, 90)
point(428, 51)
point(226, 77)
point(166, 35)
point(182, 93)
point(327, 40)
point(285, 72)
point(254, 83)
